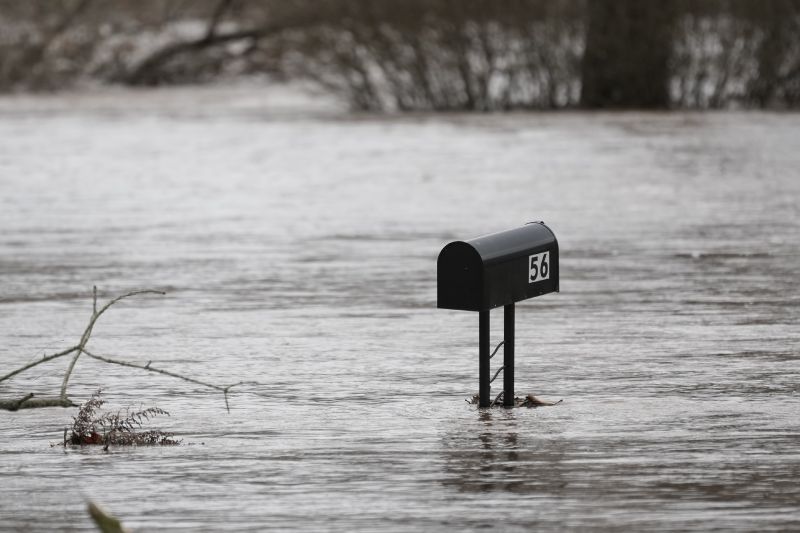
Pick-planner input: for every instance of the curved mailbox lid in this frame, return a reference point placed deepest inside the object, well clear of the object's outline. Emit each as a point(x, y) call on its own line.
point(513, 243)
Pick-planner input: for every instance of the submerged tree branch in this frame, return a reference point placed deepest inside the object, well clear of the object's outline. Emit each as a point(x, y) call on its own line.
point(88, 332)
point(14, 405)
point(38, 362)
point(222, 388)
point(29, 401)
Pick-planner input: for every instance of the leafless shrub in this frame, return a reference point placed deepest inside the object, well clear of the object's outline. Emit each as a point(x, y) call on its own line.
point(122, 428)
point(43, 43)
point(713, 60)
point(444, 55)
point(744, 54)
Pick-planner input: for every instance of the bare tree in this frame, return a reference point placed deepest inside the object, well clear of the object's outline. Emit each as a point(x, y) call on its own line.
point(438, 55)
point(628, 51)
point(777, 54)
point(25, 59)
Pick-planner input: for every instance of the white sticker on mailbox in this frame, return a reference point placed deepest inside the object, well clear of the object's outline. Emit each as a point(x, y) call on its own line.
point(539, 267)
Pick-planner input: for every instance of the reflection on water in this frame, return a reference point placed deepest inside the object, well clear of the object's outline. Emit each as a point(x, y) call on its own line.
point(497, 459)
point(299, 251)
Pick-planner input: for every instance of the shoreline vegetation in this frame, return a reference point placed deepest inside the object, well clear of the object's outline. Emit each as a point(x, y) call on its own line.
point(422, 55)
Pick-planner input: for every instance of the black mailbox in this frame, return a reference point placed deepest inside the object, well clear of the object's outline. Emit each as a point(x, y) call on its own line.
point(496, 270)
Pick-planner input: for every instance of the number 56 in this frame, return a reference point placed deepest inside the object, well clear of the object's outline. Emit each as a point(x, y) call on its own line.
point(539, 267)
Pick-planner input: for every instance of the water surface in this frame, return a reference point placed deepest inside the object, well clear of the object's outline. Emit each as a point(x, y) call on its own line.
point(298, 249)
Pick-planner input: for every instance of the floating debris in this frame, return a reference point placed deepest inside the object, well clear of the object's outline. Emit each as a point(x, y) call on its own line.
point(105, 521)
point(528, 401)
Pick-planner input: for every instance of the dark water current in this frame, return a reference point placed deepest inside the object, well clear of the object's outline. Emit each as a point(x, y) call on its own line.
point(299, 250)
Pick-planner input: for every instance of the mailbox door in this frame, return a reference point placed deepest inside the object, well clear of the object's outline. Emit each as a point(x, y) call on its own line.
point(459, 277)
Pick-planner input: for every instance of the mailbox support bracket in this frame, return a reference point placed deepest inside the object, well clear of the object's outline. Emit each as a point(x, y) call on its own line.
point(484, 390)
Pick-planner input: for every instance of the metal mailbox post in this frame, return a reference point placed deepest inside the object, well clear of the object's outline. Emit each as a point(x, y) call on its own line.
point(496, 270)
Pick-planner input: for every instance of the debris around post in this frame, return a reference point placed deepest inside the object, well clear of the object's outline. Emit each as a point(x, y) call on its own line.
point(528, 400)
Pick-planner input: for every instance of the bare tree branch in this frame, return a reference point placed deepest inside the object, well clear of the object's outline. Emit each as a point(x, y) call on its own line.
point(146, 72)
point(88, 332)
point(151, 368)
point(14, 406)
point(222, 388)
point(216, 17)
point(38, 362)
point(29, 401)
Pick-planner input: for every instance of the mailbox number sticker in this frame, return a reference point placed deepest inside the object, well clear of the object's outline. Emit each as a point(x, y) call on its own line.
point(539, 267)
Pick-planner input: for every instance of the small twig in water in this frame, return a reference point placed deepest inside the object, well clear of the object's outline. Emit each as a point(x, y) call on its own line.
point(229, 387)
